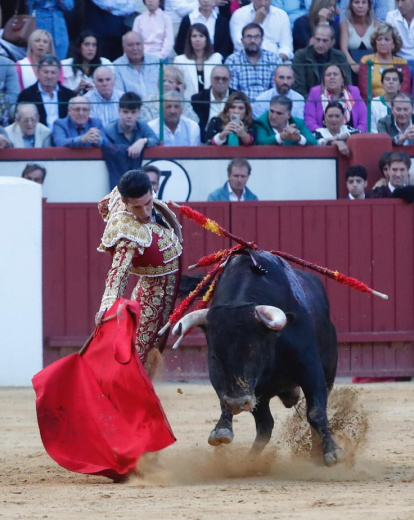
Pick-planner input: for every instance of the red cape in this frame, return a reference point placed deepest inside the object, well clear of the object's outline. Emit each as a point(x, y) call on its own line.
point(98, 412)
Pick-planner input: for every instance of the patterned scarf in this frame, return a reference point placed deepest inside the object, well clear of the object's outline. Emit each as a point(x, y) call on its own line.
point(345, 98)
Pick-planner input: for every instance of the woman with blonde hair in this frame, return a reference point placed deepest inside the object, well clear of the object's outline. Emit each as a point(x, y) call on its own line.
point(320, 12)
point(386, 42)
point(234, 125)
point(356, 31)
point(40, 43)
point(173, 81)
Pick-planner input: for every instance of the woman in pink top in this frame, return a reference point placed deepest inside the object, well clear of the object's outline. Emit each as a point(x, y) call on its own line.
point(156, 28)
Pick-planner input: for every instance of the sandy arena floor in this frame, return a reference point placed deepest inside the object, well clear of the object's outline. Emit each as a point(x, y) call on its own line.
point(194, 481)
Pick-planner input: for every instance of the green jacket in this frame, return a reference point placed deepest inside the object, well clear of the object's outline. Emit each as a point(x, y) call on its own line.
point(266, 135)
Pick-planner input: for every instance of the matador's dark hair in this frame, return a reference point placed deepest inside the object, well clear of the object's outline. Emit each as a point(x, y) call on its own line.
point(134, 184)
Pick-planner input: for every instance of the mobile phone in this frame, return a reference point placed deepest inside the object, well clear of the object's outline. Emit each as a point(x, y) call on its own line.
point(235, 118)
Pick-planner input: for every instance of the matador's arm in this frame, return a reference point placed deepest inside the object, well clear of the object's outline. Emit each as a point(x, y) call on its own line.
point(118, 274)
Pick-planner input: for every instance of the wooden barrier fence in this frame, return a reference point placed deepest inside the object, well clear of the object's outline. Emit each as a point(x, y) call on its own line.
point(372, 240)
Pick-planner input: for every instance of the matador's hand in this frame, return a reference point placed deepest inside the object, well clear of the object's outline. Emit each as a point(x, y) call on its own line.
point(99, 316)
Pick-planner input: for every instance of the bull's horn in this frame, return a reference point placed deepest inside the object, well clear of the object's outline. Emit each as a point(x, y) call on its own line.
point(193, 319)
point(273, 317)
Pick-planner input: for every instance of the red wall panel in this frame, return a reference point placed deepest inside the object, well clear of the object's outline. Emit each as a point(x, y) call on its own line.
point(371, 240)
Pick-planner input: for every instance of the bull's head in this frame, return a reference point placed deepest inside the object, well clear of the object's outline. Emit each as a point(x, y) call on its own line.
point(237, 367)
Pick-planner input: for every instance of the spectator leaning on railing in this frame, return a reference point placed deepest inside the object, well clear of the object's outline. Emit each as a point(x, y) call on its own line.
point(252, 68)
point(4, 139)
point(334, 88)
point(129, 130)
point(336, 132)
point(47, 94)
point(27, 132)
point(104, 98)
point(283, 78)
point(277, 126)
point(78, 129)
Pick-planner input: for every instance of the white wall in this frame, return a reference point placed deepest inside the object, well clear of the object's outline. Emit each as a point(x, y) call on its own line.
point(271, 179)
point(20, 281)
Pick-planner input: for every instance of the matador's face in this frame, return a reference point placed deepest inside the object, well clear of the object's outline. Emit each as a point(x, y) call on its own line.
point(140, 207)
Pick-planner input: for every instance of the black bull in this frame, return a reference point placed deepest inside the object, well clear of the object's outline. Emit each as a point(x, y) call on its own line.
point(269, 335)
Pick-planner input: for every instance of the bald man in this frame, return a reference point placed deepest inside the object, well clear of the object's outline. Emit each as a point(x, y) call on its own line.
point(78, 129)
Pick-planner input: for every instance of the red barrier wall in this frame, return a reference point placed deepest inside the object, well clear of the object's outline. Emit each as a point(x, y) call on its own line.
point(372, 240)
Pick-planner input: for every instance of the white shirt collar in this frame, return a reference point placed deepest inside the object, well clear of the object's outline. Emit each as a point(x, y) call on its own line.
point(233, 196)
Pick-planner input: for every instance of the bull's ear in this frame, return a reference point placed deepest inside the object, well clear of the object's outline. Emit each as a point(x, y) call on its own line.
point(272, 317)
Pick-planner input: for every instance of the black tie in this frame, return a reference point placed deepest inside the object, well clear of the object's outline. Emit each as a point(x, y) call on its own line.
point(80, 130)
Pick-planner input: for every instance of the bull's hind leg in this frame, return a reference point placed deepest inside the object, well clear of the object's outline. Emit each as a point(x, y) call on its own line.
point(264, 425)
point(223, 431)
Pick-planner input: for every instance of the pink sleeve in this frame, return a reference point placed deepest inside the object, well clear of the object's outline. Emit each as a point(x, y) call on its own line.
point(311, 110)
point(168, 43)
point(405, 87)
point(19, 76)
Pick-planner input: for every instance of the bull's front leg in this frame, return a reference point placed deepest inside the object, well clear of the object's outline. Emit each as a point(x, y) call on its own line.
point(264, 425)
point(223, 431)
point(316, 400)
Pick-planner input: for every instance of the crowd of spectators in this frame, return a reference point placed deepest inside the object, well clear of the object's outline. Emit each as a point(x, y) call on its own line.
point(229, 73)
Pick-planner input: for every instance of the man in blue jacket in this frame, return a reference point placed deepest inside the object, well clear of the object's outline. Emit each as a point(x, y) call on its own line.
point(238, 172)
point(78, 129)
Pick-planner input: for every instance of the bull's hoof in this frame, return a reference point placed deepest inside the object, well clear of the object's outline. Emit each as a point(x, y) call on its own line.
point(220, 436)
point(333, 457)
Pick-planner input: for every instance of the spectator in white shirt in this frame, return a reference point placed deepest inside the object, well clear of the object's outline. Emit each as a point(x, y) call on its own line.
point(283, 78)
point(178, 129)
point(177, 9)
point(104, 98)
point(84, 58)
point(402, 20)
point(274, 21)
point(217, 26)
